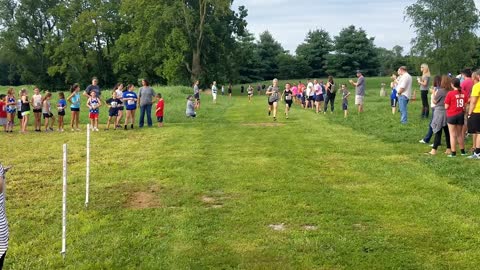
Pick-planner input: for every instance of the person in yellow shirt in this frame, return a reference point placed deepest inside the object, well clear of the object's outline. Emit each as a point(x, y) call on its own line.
point(474, 115)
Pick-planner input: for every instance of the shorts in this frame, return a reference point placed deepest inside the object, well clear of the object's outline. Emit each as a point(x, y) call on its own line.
point(474, 123)
point(229, 91)
point(299, 96)
point(311, 98)
point(131, 108)
point(62, 113)
point(345, 106)
point(160, 119)
point(458, 119)
point(289, 103)
point(393, 102)
point(47, 115)
point(37, 110)
point(319, 98)
point(271, 102)
point(93, 116)
point(25, 113)
point(197, 96)
point(75, 109)
point(112, 114)
point(19, 115)
point(359, 100)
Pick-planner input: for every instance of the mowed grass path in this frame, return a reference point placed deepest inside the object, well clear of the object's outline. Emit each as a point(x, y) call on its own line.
point(201, 193)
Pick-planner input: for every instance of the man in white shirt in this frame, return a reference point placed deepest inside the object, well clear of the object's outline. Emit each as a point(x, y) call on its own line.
point(404, 92)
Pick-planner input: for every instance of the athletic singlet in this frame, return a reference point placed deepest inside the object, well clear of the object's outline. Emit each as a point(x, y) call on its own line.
point(11, 108)
point(37, 101)
point(75, 101)
point(94, 103)
point(25, 106)
point(288, 95)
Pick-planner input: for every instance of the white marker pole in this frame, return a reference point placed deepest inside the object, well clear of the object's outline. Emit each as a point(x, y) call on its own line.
point(87, 177)
point(64, 203)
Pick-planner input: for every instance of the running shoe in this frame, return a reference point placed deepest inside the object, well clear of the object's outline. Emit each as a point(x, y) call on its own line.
point(422, 141)
point(474, 156)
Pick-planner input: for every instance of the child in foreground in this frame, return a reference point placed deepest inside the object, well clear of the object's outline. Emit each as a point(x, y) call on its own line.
point(345, 95)
point(94, 104)
point(159, 109)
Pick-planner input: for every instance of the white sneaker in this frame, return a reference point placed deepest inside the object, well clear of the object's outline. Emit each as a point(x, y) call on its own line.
point(422, 141)
point(474, 156)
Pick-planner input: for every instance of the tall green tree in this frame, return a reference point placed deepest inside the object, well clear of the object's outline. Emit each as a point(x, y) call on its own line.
point(268, 50)
point(353, 50)
point(314, 51)
point(445, 32)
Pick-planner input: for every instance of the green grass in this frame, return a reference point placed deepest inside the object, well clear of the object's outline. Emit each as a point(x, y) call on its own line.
point(213, 185)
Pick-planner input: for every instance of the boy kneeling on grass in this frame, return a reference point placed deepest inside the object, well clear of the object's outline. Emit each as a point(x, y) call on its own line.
point(159, 110)
point(113, 104)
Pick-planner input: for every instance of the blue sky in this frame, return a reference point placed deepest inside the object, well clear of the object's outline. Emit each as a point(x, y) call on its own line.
point(290, 20)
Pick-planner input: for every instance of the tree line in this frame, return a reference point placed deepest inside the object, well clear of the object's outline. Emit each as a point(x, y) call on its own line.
point(54, 43)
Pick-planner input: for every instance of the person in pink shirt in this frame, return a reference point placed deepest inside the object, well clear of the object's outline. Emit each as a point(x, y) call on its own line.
point(455, 108)
point(294, 92)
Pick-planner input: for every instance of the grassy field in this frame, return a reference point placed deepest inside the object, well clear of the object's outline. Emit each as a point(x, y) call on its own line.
point(232, 190)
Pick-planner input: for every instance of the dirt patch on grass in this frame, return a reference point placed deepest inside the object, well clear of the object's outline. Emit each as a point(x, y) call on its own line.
point(277, 227)
point(212, 202)
point(310, 227)
point(263, 125)
point(144, 199)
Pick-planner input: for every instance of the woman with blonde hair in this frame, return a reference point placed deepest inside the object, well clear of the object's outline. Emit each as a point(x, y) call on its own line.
point(424, 83)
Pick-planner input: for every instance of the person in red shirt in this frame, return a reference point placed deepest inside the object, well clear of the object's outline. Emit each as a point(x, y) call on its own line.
point(455, 108)
point(159, 110)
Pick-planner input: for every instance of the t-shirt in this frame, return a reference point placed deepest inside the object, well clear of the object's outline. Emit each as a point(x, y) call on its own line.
point(214, 89)
point(345, 94)
point(456, 102)
point(360, 88)
point(62, 103)
point(274, 96)
point(406, 84)
point(310, 89)
point(295, 90)
point(75, 101)
point(94, 88)
point(146, 95)
point(196, 90)
point(439, 99)
point(130, 104)
point(467, 86)
point(318, 89)
point(427, 86)
point(476, 93)
point(393, 95)
point(114, 103)
point(161, 106)
point(190, 108)
point(3, 109)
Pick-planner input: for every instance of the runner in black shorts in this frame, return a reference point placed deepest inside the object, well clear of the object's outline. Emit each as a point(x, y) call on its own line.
point(288, 97)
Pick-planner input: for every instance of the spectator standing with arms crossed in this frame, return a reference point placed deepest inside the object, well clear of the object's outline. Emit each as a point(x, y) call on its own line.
point(359, 91)
point(146, 95)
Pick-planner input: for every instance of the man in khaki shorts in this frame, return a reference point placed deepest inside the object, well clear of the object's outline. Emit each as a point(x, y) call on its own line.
point(359, 90)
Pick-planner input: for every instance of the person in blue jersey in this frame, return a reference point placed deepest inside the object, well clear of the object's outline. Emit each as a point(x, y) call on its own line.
point(3, 218)
point(130, 101)
point(94, 104)
point(74, 100)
